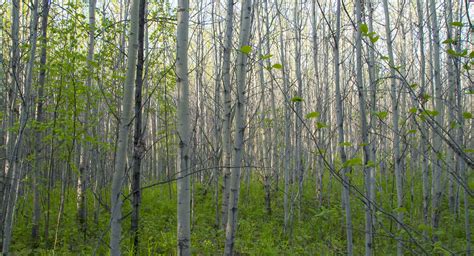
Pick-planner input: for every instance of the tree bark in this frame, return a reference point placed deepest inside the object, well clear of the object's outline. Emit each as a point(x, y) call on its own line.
point(226, 129)
point(244, 40)
point(184, 210)
point(138, 142)
point(396, 131)
point(122, 142)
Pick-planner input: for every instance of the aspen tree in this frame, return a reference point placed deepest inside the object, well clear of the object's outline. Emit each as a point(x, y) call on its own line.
point(184, 210)
point(340, 131)
point(395, 128)
point(226, 129)
point(244, 40)
point(39, 119)
point(122, 142)
point(16, 155)
point(138, 141)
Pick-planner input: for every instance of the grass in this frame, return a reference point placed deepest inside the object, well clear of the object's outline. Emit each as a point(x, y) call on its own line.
point(317, 230)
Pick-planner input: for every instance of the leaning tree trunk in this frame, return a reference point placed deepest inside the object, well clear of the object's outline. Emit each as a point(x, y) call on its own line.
point(15, 166)
point(120, 156)
point(184, 210)
point(11, 109)
point(245, 25)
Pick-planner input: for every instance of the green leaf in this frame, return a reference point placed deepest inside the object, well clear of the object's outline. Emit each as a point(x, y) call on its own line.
point(353, 162)
point(371, 164)
point(382, 115)
point(277, 66)
point(266, 56)
point(453, 124)
point(312, 115)
point(345, 144)
point(449, 41)
point(467, 115)
point(364, 28)
point(400, 210)
point(471, 55)
point(431, 113)
point(451, 52)
point(296, 99)
point(383, 57)
point(412, 110)
point(320, 125)
point(374, 39)
point(246, 49)
point(456, 24)
point(411, 131)
point(457, 54)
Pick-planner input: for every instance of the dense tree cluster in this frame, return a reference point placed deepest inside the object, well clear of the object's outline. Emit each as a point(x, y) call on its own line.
point(202, 127)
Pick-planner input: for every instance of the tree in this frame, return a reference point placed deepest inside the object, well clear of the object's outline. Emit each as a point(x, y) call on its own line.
point(138, 143)
point(184, 210)
point(226, 129)
point(340, 131)
point(244, 40)
point(16, 168)
point(396, 130)
point(122, 142)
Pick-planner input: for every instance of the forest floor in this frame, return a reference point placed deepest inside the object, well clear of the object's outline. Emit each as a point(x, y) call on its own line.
point(315, 230)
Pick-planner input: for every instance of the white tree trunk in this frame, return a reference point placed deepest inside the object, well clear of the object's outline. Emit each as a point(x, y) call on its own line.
point(340, 131)
point(436, 191)
point(245, 25)
point(396, 135)
point(226, 129)
point(184, 210)
point(15, 167)
point(124, 126)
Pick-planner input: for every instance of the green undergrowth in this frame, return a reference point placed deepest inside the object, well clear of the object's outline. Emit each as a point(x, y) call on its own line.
point(314, 229)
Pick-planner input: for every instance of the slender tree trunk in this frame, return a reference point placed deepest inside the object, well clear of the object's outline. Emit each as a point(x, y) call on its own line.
point(436, 189)
point(245, 25)
point(365, 134)
point(138, 142)
point(122, 142)
point(18, 149)
point(287, 148)
point(424, 131)
point(226, 136)
point(184, 210)
point(340, 130)
point(396, 135)
point(11, 111)
point(39, 119)
point(298, 105)
point(216, 29)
